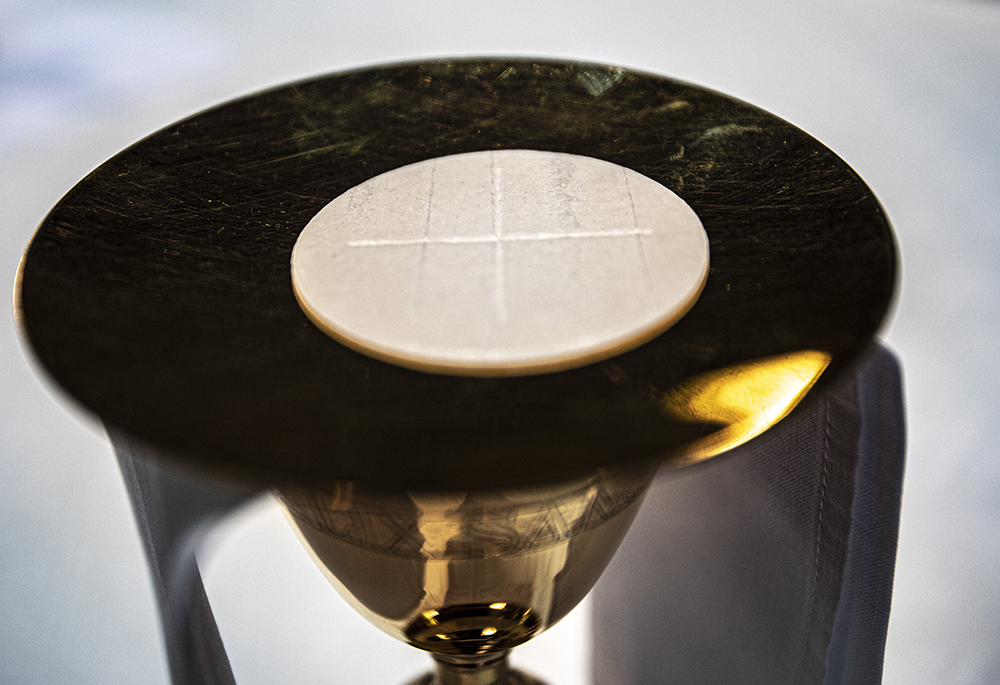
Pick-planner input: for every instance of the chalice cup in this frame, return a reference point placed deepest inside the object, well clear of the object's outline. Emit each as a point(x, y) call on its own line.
point(468, 575)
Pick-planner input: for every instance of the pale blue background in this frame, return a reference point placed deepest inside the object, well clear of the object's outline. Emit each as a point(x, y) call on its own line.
point(906, 91)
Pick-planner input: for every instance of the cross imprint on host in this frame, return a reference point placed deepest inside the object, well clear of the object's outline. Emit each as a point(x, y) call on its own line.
point(500, 262)
point(498, 237)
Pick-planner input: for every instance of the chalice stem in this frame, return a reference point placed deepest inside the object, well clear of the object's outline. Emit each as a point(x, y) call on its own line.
point(492, 669)
point(485, 670)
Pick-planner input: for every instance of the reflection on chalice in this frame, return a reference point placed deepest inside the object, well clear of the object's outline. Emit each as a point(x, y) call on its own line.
point(468, 575)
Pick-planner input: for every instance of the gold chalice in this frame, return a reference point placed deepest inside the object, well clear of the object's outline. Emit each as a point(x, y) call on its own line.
point(468, 575)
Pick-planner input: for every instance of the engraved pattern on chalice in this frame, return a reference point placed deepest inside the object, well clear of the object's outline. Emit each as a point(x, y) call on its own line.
point(468, 575)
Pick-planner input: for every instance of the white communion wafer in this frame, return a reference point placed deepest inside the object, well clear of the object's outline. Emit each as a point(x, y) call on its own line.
point(502, 262)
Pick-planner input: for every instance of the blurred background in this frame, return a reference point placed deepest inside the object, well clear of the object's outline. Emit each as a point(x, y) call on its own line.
point(907, 92)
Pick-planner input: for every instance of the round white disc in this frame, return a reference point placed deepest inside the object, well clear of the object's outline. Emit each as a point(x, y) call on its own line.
point(503, 262)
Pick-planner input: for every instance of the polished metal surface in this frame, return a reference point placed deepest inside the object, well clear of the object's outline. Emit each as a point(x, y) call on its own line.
point(157, 292)
point(525, 556)
point(467, 576)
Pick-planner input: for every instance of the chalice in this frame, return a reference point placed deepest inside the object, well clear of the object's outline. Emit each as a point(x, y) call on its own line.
point(469, 575)
point(455, 314)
